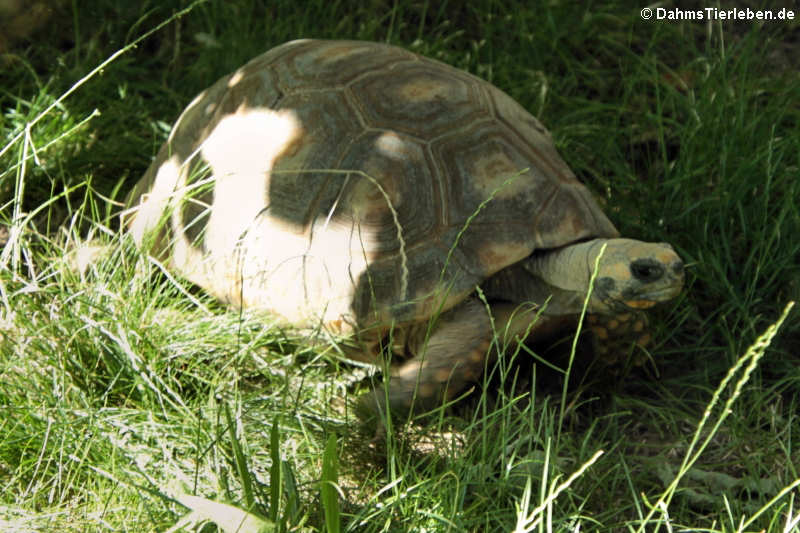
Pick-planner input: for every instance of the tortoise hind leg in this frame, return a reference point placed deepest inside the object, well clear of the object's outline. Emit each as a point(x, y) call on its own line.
point(440, 369)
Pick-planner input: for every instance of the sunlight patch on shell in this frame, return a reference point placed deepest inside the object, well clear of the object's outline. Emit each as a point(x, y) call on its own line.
point(241, 150)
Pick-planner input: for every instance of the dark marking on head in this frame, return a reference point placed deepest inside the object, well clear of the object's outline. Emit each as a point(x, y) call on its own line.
point(605, 284)
point(647, 270)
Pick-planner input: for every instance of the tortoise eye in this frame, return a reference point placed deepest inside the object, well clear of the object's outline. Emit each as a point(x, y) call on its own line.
point(647, 270)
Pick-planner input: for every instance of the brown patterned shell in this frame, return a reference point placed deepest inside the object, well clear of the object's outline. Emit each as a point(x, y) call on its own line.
point(353, 183)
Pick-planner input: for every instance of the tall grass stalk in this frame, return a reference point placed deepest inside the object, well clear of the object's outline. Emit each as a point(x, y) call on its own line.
point(702, 438)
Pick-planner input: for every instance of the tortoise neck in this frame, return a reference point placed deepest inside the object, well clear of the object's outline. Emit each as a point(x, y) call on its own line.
point(568, 268)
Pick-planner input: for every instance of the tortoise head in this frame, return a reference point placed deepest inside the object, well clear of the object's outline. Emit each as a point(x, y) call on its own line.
point(635, 275)
point(631, 274)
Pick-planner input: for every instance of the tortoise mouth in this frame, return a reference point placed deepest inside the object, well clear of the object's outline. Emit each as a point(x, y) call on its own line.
point(639, 300)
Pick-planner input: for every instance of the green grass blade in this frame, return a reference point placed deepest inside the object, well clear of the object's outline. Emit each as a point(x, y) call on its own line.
point(329, 486)
point(240, 461)
point(275, 482)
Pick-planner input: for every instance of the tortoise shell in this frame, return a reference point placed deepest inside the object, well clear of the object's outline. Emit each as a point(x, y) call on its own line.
point(353, 183)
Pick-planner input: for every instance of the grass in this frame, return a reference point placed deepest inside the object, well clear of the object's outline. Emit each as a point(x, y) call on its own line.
point(131, 401)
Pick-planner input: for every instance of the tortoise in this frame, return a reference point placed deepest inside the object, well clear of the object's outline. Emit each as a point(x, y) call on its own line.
point(356, 188)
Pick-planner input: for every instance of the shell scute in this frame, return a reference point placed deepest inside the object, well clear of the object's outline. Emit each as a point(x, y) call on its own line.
point(420, 99)
point(315, 65)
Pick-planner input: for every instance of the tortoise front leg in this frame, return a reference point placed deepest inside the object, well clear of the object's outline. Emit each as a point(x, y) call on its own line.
point(615, 336)
point(453, 356)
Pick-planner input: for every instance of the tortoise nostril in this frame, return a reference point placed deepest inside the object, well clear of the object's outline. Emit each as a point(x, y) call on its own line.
point(677, 267)
point(647, 270)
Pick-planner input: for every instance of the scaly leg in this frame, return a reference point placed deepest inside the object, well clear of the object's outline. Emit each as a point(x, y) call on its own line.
point(615, 335)
point(453, 356)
